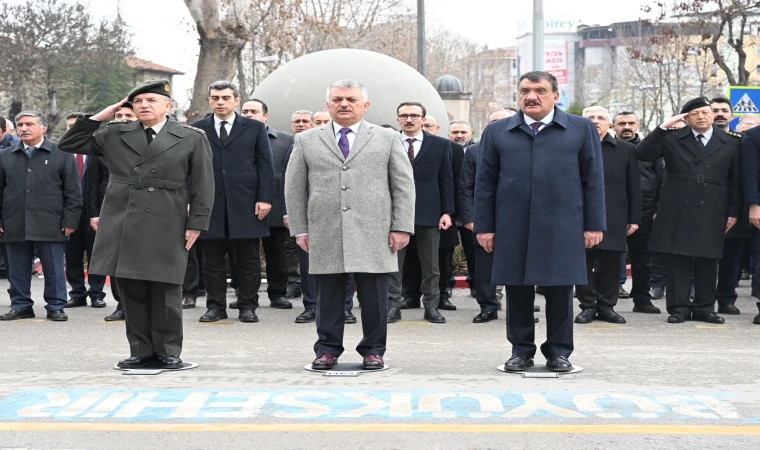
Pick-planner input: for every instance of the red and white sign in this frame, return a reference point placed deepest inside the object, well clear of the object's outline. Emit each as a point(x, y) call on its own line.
point(556, 60)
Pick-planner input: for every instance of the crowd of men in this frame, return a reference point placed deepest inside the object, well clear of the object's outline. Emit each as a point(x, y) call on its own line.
point(682, 205)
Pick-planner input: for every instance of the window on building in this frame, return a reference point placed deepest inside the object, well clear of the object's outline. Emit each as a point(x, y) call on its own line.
point(757, 70)
point(757, 49)
point(594, 56)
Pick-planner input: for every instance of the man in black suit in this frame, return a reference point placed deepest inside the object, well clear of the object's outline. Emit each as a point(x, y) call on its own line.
point(485, 291)
point(80, 243)
point(97, 183)
point(701, 201)
point(244, 176)
point(750, 169)
point(434, 184)
point(622, 194)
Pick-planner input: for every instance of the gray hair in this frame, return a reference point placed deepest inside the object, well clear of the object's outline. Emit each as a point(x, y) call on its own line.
point(32, 113)
point(222, 85)
point(749, 118)
point(460, 122)
point(302, 111)
point(488, 117)
point(9, 125)
point(599, 109)
point(346, 83)
point(320, 111)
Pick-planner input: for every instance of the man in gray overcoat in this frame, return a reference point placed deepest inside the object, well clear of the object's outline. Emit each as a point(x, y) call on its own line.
point(151, 215)
point(350, 197)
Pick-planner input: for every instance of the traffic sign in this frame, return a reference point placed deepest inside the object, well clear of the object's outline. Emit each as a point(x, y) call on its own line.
point(744, 99)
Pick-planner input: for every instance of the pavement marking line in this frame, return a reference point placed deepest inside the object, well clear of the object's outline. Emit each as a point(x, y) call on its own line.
point(218, 323)
point(415, 324)
point(382, 428)
point(712, 327)
point(602, 326)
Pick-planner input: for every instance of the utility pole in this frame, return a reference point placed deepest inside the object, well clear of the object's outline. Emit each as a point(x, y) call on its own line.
point(421, 53)
point(538, 35)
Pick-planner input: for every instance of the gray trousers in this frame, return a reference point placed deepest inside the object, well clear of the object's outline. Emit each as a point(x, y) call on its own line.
point(154, 316)
point(426, 240)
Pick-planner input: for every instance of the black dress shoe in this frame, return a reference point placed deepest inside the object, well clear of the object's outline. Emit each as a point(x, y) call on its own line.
point(433, 316)
point(188, 303)
point(136, 362)
point(536, 308)
point(293, 293)
point(559, 364)
point(677, 317)
point(729, 309)
point(16, 314)
point(610, 316)
point(448, 292)
point(646, 308)
point(446, 305)
point(658, 293)
point(171, 362)
point(484, 317)
point(97, 303)
point(248, 316)
point(57, 316)
point(539, 290)
point(232, 305)
point(745, 275)
point(622, 293)
point(116, 315)
point(76, 303)
point(710, 317)
point(586, 316)
point(535, 318)
point(410, 303)
point(757, 317)
point(280, 303)
point(394, 314)
point(201, 292)
point(309, 315)
point(517, 364)
point(350, 318)
point(472, 293)
point(213, 315)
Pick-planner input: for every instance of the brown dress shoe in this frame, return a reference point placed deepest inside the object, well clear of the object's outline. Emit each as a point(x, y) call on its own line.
point(325, 361)
point(373, 362)
point(188, 302)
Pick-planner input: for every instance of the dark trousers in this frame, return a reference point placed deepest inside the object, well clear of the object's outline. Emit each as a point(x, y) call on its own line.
point(603, 286)
point(521, 330)
point(754, 251)
point(679, 270)
point(485, 292)
point(411, 275)
point(446, 278)
point(468, 247)
point(308, 289)
point(233, 267)
point(427, 240)
point(331, 300)
point(291, 256)
point(153, 313)
point(623, 269)
point(658, 270)
point(641, 263)
point(4, 254)
point(247, 263)
point(729, 271)
point(192, 274)
point(115, 292)
point(277, 264)
point(20, 258)
point(80, 243)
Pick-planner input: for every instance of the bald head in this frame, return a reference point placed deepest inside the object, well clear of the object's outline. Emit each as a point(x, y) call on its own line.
point(431, 125)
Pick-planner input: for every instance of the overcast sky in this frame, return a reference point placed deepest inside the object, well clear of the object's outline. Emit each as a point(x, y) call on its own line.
point(164, 33)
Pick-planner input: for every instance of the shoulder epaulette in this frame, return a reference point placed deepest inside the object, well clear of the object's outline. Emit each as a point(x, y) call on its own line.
point(674, 128)
point(734, 134)
point(117, 121)
point(195, 129)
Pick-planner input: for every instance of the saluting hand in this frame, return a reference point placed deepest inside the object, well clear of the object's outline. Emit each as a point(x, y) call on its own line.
point(730, 223)
point(672, 121)
point(190, 237)
point(486, 241)
point(397, 240)
point(445, 222)
point(592, 238)
point(632, 227)
point(754, 215)
point(262, 209)
point(109, 111)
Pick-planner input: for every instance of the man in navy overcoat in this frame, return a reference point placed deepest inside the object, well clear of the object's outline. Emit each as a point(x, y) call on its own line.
point(539, 203)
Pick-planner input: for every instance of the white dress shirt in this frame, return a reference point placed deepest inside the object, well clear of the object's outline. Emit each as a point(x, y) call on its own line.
point(417, 144)
point(351, 136)
point(218, 126)
point(546, 120)
point(705, 136)
point(156, 128)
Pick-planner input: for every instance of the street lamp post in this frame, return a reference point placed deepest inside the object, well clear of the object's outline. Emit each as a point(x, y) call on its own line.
point(421, 54)
point(538, 35)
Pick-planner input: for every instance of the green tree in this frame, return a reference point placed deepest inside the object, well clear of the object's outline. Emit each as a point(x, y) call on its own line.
point(575, 108)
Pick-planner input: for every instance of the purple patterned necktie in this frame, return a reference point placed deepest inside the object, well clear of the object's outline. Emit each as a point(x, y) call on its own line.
point(343, 141)
point(536, 126)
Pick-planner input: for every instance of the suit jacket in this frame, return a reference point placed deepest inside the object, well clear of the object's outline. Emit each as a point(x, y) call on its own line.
point(450, 237)
point(539, 194)
point(39, 195)
point(466, 192)
point(622, 192)
point(349, 206)
point(701, 192)
point(145, 214)
point(280, 142)
point(433, 180)
point(243, 175)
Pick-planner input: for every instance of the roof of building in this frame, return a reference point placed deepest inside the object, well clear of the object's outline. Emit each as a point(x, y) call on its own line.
point(448, 83)
point(144, 64)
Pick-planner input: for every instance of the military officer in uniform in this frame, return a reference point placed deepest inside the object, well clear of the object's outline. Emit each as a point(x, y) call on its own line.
point(151, 215)
point(700, 203)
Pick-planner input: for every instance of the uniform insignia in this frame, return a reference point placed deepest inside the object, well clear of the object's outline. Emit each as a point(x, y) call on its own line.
point(166, 88)
point(195, 129)
point(674, 128)
point(117, 121)
point(734, 134)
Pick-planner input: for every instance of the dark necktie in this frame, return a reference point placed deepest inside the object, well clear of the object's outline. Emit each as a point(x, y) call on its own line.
point(30, 151)
point(80, 165)
point(411, 149)
point(535, 126)
point(149, 135)
point(343, 141)
point(223, 132)
point(699, 139)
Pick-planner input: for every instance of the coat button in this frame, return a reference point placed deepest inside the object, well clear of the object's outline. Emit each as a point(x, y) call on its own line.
point(136, 169)
point(687, 200)
point(150, 189)
point(131, 207)
point(28, 170)
point(702, 203)
point(343, 188)
point(134, 188)
point(693, 165)
point(28, 210)
point(707, 167)
point(345, 168)
point(208, 210)
point(147, 209)
point(28, 190)
point(153, 170)
point(345, 208)
point(224, 171)
point(690, 183)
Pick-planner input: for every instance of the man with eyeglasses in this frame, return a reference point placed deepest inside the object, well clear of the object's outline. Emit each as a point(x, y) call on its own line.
point(321, 117)
point(431, 125)
point(434, 208)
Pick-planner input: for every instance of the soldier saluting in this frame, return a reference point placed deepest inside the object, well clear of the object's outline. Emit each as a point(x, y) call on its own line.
point(700, 203)
point(151, 215)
